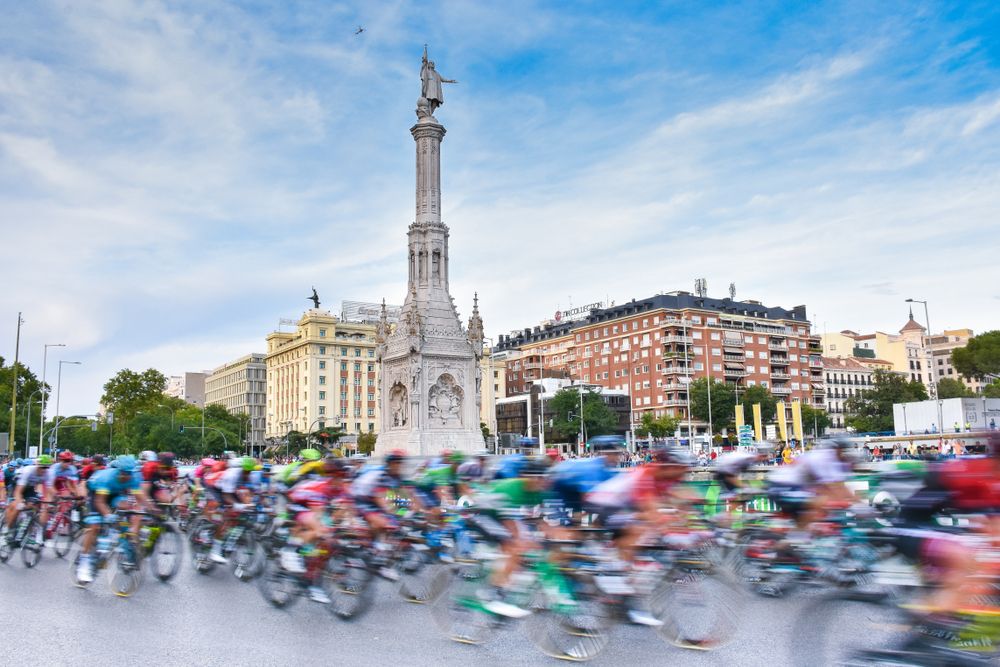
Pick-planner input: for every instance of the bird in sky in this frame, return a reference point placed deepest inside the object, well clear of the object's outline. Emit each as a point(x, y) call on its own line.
point(360, 30)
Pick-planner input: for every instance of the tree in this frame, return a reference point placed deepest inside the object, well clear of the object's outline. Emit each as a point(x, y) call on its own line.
point(872, 411)
point(129, 392)
point(815, 418)
point(723, 402)
point(652, 427)
point(28, 387)
point(992, 390)
point(980, 356)
point(564, 406)
point(950, 388)
point(366, 443)
point(485, 429)
point(758, 394)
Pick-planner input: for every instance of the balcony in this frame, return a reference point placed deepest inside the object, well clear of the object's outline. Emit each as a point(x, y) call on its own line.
point(533, 365)
point(819, 391)
point(733, 357)
point(673, 338)
point(777, 347)
point(675, 370)
point(781, 375)
point(777, 361)
point(675, 402)
point(734, 372)
point(781, 391)
point(815, 363)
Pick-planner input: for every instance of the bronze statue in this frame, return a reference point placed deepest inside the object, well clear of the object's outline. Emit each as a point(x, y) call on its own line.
point(430, 83)
point(315, 299)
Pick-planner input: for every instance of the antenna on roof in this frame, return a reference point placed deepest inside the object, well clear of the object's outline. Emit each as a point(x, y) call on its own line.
point(701, 287)
point(732, 291)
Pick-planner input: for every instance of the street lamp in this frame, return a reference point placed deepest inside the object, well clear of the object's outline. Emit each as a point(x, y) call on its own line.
point(161, 405)
point(59, 391)
point(930, 364)
point(41, 417)
point(27, 420)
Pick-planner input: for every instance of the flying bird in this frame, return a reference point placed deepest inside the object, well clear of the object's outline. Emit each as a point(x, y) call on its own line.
point(360, 30)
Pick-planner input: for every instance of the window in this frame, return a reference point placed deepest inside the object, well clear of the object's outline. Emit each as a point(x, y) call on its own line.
point(699, 350)
point(322, 409)
point(322, 349)
point(751, 383)
point(322, 379)
point(371, 396)
point(357, 352)
point(696, 319)
point(763, 383)
point(343, 382)
point(696, 335)
point(749, 354)
point(614, 329)
point(698, 366)
point(716, 367)
point(802, 345)
point(357, 368)
point(322, 365)
point(343, 395)
point(343, 351)
point(715, 335)
point(371, 382)
point(716, 352)
point(343, 411)
point(795, 386)
point(794, 357)
point(711, 320)
point(322, 395)
point(749, 339)
point(343, 365)
point(371, 369)
point(322, 333)
point(635, 326)
point(371, 354)
point(371, 413)
point(762, 355)
point(833, 346)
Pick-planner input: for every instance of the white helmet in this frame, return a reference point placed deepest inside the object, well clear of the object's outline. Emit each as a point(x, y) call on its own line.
point(148, 455)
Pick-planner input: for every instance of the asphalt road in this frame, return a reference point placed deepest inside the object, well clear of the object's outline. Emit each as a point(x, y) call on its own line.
point(217, 620)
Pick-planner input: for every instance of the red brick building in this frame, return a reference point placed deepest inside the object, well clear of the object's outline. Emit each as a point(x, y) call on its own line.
point(652, 347)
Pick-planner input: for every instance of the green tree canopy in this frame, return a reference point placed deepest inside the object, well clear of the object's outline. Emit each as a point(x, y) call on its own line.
point(366, 443)
point(723, 402)
point(564, 409)
point(129, 392)
point(28, 387)
point(980, 357)
point(992, 390)
point(656, 427)
point(951, 388)
point(814, 418)
point(872, 411)
point(762, 395)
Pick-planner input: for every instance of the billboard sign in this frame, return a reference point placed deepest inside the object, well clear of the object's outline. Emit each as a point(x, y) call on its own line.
point(577, 313)
point(366, 311)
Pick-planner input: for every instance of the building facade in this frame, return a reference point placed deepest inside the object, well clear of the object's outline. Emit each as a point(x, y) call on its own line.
point(844, 378)
point(651, 349)
point(189, 387)
point(905, 351)
point(941, 346)
point(240, 386)
point(322, 374)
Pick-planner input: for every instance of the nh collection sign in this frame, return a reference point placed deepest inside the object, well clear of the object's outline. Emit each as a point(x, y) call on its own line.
point(577, 313)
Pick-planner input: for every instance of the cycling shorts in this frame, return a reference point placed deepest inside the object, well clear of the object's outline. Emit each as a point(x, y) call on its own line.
point(791, 499)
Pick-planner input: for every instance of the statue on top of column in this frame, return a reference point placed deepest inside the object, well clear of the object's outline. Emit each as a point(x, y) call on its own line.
point(430, 85)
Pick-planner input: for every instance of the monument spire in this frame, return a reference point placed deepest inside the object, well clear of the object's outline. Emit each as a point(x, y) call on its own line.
point(430, 380)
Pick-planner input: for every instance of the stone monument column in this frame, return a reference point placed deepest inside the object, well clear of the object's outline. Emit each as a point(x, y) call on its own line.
point(429, 384)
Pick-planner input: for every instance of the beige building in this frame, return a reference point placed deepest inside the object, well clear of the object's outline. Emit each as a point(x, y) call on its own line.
point(905, 351)
point(189, 387)
point(492, 367)
point(941, 346)
point(322, 374)
point(845, 378)
point(240, 386)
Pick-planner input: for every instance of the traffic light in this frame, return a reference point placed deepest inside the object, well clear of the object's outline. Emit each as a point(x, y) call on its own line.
point(181, 429)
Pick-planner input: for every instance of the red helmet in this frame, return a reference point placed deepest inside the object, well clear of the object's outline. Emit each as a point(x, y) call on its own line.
point(166, 459)
point(207, 462)
point(395, 455)
point(66, 455)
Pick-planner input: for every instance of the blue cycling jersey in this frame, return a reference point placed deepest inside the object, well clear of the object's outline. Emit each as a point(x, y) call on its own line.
point(108, 482)
point(583, 474)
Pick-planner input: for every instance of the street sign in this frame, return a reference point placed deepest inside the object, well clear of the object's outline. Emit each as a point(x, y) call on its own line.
point(771, 432)
point(32, 451)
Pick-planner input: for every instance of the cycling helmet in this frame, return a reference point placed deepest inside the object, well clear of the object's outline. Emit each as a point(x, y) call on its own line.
point(235, 463)
point(148, 455)
point(840, 443)
point(166, 459)
point(66, 455)
point(535, 467)
point(677, 456)
point(333, 466)
point(456, 457)
point(125, 463)
point(310, 455)
point(248, 463)
point(207, 462)
point(99, 460)
point(395, 455)
point(44, 460)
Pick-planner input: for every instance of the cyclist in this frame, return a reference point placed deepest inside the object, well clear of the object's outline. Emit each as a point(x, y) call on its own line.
point(573, 479)
point(311, 500)
point(371, 493)
point(813, 482)
point(95, 464)
point(503, 509)
point(440, 485)
point(473, 471)
point(30, 488)
point(106, 492)
point(63, 477)
point(234, 489)
point(731, 466)
point(160, 481)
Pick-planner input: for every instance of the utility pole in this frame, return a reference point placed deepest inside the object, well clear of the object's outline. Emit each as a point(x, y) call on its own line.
point(13, 394)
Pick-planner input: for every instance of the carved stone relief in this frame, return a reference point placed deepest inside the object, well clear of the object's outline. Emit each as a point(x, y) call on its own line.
point(445, 402)
point(397, 405)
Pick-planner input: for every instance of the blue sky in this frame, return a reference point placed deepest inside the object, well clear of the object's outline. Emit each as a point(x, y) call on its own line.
point(174, 176)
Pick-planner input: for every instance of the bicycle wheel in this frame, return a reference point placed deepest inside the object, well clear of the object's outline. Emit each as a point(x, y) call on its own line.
point(348, 582)
point(7, 546)
point(458, 612)
point(837, 628)
point(247, 556)
point(756, 565)
point(576, 630)
point(125, 571)
point(62, 537)
point(168, 550)
point(278, 587)
point(201, 546)
point(33, 543)
point(699, 610)
point(417, 577)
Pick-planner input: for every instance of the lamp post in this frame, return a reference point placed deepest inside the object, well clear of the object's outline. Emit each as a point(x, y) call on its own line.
point(493, 396)
point(167, 407)
point(59, 392)
point(41, 417)
point(929, 361)
point(27, 420)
